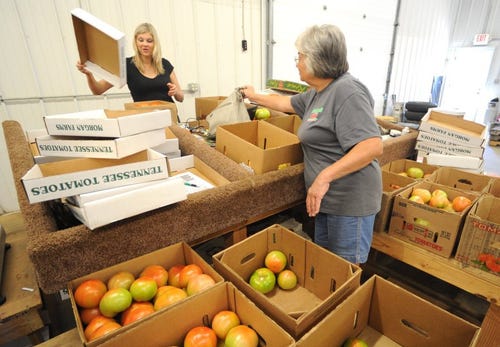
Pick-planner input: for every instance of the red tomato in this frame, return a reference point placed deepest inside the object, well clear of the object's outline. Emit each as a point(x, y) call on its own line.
point(136, 311)
point(95, 324)
point(241, 336)
point(169, 297)
point(224, 321)
point(89, 293)
point(105, 329)
point(187, 272)
point(173, 275)
point(199, 283)
point(156, 272)
point(87, 314)
point(460, 203)
point(275, 261)
point(200, 337)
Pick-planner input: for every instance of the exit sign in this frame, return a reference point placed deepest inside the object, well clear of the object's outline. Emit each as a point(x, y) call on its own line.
point(481, 39)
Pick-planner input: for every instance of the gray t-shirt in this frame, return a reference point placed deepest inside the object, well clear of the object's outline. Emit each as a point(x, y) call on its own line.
point(333, 121)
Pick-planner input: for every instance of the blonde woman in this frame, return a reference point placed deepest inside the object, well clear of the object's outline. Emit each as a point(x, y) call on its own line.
point(149, 75)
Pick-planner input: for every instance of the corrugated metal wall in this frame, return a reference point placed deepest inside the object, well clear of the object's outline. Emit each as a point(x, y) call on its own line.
point(202, 39)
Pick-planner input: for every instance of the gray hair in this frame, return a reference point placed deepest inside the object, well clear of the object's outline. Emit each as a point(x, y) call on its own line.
point(325, 51)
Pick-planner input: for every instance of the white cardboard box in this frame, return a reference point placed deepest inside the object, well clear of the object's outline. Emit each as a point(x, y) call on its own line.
point(458, 161)
point(101, 47)
point(456, 129)
point(106, 123)
point(107, 206)
point(65, 146)
point(83, 175)
point(431, 147)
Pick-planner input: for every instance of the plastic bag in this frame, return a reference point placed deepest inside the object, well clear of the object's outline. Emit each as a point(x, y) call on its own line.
point(231, 110)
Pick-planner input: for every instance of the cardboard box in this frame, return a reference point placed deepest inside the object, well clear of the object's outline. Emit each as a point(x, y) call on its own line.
point(259, 145)
point(179, 253)
point(196, 174)
point(430, 228)
point(86, 147)
point(479, 245)
point(456, 129)
point(402, 165)
point(199, 311)
point(154, 105)
point(460, 179)
point(386, 315)
point(324, 279)
point(107, 206)
point(289, 123)
point(457, 161)
point(439, 144)
point(106, 123)
point(169, 148)
point(392, 184)
point(65, 178)
point(204, 105)
point(494, 188)
point(101, 47)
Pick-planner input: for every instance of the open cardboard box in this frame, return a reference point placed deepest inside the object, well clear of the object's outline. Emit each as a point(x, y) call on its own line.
point(458, 130)
point(400, 166)
point(101, 47)
point(107, 206)
point(179, 253)
point(392, 184)
point(259, 145)
point(324, 279)
point(289, 123)
point(206, 104)
point(106, 123)
point(479, 244)
point(168, 328)
point(430, 228)
point(386, 315)
point(460, 179)
point(65, 178)
point(154, 105)
point(86, 147)
point(494, 187)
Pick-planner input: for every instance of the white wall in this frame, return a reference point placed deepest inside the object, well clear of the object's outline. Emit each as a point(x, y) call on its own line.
point(202, 39)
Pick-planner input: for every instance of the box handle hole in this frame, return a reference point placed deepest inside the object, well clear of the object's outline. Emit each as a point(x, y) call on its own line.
point(415, 328)
point(247, 258)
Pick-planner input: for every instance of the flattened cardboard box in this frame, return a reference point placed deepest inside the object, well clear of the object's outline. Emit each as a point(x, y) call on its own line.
point(456, 178)
point(430, 228)
point(324, 279)
point(168, 328)
point(179, 253)
point(83, 175)
point(107, 206)
point(154, 105)
point(456, 129)
point(479, 245)
point(101, 47)
point(106, 123)
point(457, 161)
point(386, 315)
point(78, 147)
point(446, 146)
point(259, 145)
point(392, 184)
point(196, 174)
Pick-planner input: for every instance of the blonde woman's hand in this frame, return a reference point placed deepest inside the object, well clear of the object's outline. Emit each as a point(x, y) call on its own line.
point(172, 89)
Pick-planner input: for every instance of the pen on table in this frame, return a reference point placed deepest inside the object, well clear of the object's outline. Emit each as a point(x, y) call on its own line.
point(190, 184)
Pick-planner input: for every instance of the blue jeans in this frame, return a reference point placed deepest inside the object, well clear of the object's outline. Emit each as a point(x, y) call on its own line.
point(346, 236)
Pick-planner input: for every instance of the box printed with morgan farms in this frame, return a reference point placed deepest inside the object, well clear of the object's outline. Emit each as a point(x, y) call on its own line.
point(107, 123)
point(72, 146)
point(83, 175)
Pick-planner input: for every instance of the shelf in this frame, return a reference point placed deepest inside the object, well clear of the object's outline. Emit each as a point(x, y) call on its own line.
point(472, 280)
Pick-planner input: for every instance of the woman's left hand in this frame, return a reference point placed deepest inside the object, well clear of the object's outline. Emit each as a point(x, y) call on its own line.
point(315, 194)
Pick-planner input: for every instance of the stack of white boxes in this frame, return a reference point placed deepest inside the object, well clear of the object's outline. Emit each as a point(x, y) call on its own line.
point(449, 140)
point(105, 165)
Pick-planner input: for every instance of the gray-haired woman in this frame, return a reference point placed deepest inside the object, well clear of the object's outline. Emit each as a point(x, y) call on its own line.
point(340, 140)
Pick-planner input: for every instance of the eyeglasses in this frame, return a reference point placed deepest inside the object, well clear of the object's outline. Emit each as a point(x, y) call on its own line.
point(297, 58)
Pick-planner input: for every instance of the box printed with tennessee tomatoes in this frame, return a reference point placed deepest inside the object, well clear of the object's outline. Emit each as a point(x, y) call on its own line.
point(111, 301)
point(479, 245)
